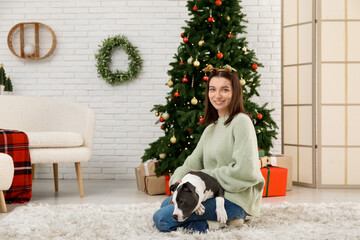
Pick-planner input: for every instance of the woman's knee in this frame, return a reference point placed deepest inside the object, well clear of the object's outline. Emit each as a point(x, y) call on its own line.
point(163, 220)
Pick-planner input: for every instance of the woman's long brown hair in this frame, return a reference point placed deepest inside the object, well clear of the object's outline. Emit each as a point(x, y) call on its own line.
point(236, 105)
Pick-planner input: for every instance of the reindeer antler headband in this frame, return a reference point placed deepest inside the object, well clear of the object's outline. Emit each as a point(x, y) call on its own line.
point(226, 68)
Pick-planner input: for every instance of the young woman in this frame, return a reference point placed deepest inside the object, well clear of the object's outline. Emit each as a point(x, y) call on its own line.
point(227, 151)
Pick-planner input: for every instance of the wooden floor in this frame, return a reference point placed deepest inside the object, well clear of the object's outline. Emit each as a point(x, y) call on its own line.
point(125, 191)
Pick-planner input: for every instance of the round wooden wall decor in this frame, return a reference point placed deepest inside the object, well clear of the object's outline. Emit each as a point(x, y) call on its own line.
point(25, 49)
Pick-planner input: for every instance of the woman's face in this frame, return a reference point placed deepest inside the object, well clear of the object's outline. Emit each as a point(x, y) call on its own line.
point(220, 94)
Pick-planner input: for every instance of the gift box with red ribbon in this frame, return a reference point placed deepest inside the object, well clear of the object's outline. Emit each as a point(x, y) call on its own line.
point(275, 181)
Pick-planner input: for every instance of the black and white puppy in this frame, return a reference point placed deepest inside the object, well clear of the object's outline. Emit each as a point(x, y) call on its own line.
point(195, 188)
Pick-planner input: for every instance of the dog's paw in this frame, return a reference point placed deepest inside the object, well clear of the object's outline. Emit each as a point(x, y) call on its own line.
point(200, 210)
point(221, 215)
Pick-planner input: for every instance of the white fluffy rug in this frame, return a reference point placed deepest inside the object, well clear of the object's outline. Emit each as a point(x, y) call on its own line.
point(91, 221)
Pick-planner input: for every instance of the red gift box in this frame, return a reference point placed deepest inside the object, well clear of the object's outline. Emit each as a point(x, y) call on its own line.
point(275, 181)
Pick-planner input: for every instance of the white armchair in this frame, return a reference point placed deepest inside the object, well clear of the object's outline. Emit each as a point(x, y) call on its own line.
point(6, 177)
point(59, 131)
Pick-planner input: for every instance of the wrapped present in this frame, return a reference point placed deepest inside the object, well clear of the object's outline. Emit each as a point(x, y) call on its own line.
point(261, 152)
point(148, 168)
point(137, 174)
point(167, 181)
point(155, 185)
point(275, 181)
point(279, 161)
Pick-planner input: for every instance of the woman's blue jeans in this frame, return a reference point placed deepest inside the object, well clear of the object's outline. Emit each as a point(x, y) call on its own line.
point(164, 221)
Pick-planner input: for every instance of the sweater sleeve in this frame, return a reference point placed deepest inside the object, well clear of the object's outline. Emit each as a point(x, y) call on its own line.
point(244, 171)
point(192, 162)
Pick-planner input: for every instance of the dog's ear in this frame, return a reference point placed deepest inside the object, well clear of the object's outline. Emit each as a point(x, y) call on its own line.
point(188, 187)
point(174, 186)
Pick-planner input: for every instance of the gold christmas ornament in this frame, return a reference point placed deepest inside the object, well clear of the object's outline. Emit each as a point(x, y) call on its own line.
point(173, 139)
point(242, 82)
point(170, 83)
point(162, 155)
point(196, 63)
point(228, 18)
point(190, 60)
point(244, 49)
point(156, 114)
point(194, 101)
point(165, 116)
point(201, 43)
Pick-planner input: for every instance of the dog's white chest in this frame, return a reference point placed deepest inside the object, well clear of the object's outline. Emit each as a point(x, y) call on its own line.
point(208, 194)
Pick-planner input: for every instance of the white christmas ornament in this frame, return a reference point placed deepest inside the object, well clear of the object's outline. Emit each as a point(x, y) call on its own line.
point(29, 49)
point(165, 116)
point(190, 60)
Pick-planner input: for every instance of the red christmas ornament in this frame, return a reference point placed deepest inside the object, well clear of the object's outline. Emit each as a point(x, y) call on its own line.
point(185, 80)
point(211, 19)
point(181, 63)
point(205, 78)
point(161, 119)
point(177, 94)
point(182, 35)
point(259, 116)
point(195, 8)
point(162, 126)
point(171, 98)
point(189, 129)
point(201, 119)
point(254, 66)
point(218, 2)
point(230, 35)
point(220, 55)
point(185, 39)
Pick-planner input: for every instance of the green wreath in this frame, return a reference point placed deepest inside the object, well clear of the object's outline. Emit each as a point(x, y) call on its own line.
point(104, 58)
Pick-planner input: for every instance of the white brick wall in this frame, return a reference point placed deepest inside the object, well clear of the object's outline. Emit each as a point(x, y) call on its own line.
point(124, 125)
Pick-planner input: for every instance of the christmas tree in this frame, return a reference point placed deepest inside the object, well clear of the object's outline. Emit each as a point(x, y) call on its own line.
point(8, 85)
point(2, 76)
point(213, 35)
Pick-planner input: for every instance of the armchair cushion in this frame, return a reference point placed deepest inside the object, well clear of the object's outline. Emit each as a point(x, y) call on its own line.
point(54, 139)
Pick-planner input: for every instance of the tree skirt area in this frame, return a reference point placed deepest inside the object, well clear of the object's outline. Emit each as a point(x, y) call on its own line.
point(92, 221)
